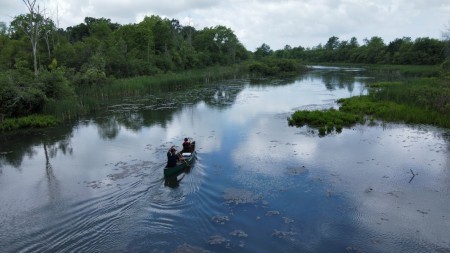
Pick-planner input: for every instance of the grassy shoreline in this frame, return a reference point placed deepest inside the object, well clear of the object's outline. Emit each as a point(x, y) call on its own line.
point(420, 101)
point(90, 98)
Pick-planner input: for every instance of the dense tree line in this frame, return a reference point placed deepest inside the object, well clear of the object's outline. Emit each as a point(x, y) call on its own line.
point(101, 46)
point(60, 60)
point(421, 51)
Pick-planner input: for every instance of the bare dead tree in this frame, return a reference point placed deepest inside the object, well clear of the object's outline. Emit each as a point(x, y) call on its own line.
point(33, 29)
point(446, 36)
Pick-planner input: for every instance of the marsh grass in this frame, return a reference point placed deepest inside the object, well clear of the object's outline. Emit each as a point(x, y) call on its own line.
point(72, 108)
point(431, 94)
point(90, 98)
point(168, 81)
point(393, 112)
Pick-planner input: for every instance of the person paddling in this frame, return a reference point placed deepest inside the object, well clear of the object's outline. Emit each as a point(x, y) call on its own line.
point(186, 145)
point(172, 157)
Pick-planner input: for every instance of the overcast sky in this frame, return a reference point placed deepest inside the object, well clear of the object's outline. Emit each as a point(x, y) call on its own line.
point(277, 23)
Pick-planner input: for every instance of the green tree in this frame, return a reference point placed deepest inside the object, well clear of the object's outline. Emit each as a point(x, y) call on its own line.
point(374, 50)
point(263, 51)
point(332, 43)
point(428, 51)
point(398, 51)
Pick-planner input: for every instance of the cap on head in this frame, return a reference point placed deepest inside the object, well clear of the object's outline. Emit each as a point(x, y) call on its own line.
point(185, 139)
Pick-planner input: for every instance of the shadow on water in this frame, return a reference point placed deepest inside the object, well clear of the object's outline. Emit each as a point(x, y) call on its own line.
point(174, 180)
point(24, 143)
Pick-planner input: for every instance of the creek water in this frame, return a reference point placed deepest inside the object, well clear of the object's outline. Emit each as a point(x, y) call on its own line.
point(258, 185)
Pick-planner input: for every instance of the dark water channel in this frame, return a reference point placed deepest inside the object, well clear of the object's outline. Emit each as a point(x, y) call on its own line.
point(258, 185)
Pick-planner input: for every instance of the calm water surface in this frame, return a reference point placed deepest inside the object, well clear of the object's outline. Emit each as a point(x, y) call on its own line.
point(258, 185)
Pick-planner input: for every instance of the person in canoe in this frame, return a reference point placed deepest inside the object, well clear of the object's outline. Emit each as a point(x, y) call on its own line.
point(172, 157)
point(186, 146)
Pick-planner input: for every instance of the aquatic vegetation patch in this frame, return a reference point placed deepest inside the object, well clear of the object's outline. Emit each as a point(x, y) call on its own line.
point(283, 234)
point(287, 220)
point(218, 240)
point(186, 248)
point(124, 171)
point(350, 249)
point(272, 213)
point(326, 121)
point(220, 219)
point(296, 170)
point(32, 121)
point(240, 196)
point(239, 233)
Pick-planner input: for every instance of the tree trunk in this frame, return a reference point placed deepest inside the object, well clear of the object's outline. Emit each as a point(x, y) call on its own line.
point(34, 31)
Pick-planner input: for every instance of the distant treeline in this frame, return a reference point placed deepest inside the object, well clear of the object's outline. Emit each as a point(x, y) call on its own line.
point(403, 51)
point(40, 62)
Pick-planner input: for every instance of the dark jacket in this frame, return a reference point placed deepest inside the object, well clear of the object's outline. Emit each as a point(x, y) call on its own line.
point(186, 146)
point(172, 159)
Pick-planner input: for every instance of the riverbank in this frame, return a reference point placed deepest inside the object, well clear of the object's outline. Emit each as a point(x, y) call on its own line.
point(86, 99)
point(416, 101)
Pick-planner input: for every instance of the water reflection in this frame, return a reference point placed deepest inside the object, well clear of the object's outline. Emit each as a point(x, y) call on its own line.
point(16, 146)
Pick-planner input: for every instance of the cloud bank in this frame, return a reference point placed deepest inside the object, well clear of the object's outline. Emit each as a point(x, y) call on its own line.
point(277, 23)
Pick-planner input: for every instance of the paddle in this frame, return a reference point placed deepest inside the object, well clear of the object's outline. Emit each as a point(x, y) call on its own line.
point(182, 158)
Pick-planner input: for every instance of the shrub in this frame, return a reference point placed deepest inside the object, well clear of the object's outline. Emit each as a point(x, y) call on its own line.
point(55, 85)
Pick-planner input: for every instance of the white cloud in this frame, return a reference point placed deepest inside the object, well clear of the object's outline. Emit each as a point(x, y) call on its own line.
point(277, 23)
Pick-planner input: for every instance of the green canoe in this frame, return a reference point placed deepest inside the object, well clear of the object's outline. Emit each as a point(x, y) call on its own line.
point(189, 158)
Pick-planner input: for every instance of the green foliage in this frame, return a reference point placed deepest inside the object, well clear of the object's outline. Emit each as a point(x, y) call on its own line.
point(18, 95)
point(263, 51)
point(32, 121)
point(326, 121)
point(55, 85)
point(446, 68)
